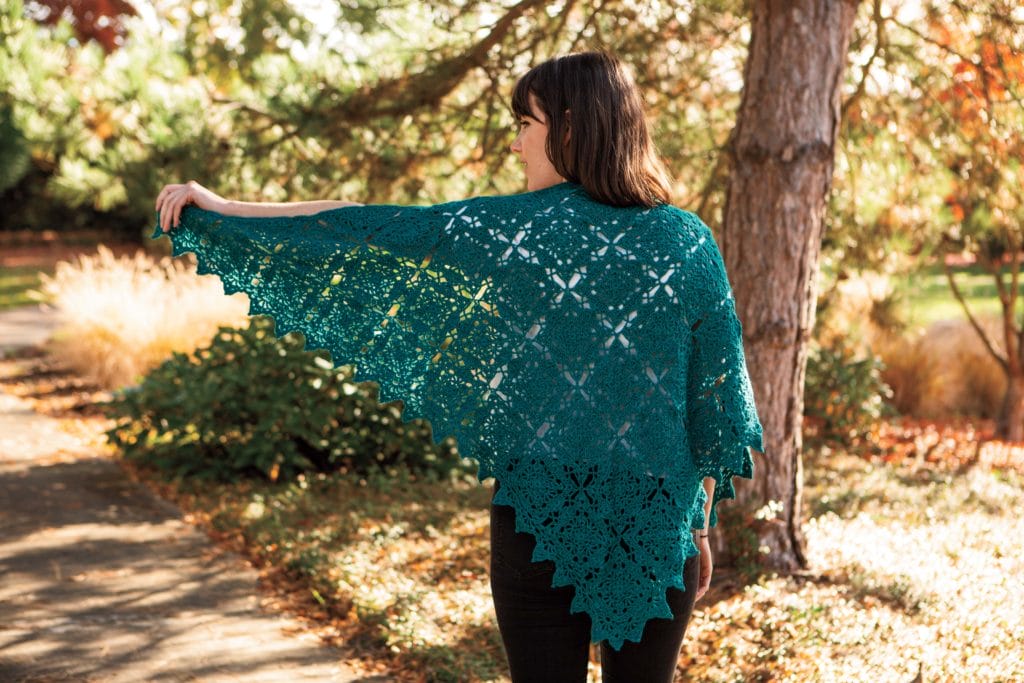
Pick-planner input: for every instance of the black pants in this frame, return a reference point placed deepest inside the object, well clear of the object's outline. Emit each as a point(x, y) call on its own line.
point(546, 644)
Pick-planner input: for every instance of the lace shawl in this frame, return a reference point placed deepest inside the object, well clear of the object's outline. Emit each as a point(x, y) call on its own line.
point(586, 356)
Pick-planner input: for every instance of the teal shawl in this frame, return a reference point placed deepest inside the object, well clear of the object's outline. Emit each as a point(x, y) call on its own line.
point(587, 357)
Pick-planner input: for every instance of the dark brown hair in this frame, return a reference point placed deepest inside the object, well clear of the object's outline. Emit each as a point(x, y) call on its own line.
point(610, 151)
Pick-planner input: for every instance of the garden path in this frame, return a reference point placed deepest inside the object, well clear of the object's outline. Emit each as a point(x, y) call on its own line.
point(104, 581)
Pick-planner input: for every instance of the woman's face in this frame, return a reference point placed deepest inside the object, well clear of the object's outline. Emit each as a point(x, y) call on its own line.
point(529, 147)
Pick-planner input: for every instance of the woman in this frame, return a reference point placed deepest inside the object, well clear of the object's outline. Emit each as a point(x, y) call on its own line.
point(597, 371)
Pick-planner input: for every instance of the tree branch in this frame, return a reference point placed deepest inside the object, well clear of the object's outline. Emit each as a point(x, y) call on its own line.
point(928, 39)
point(399, 96)
point(970, 317)
point(999, 17)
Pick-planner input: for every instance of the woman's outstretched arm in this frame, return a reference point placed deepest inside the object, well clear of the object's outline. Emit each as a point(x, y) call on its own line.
point(173, 198)
point(261, 209)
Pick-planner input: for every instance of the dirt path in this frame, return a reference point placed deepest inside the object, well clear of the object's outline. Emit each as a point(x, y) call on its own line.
point(103, 581)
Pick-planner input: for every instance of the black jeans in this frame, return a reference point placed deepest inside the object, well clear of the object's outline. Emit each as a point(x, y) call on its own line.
point(546, 644)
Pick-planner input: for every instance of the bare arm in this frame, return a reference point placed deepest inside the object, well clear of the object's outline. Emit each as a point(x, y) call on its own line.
point(704, 545)
point(173, 198)
point(261, 209)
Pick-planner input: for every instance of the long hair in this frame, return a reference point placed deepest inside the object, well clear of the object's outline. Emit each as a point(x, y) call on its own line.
point(610, 151)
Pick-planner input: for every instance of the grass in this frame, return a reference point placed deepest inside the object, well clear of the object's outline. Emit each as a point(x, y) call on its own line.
point(25, 266)
point(15, 284)
point(929, 298)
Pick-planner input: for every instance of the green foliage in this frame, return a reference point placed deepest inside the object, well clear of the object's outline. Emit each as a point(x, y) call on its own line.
point(367, 100)
point(17, 284)
point(263, 27)
point(14, 152)
point(847, 394)
point(251, 404)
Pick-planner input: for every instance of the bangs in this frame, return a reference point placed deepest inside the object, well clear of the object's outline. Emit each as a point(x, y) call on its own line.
point(521, 95)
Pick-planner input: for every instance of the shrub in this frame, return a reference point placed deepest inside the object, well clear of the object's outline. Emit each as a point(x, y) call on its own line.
point(945, 370)
point(845, 393)
point(858, 308)
point(252, 404)
point(909, 371)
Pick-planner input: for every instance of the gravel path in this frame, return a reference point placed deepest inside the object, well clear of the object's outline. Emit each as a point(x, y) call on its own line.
point(102, 581)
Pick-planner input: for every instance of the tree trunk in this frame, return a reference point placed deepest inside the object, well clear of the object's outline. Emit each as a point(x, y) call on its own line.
point(782, 153)
point(1010, 425)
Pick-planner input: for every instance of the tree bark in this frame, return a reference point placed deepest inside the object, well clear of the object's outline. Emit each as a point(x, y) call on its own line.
point(1010, 425)
point(782, 153)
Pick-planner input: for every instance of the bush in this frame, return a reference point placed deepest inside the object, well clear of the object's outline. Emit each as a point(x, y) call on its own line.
point(910, 371)
point(845, 393)
point(252, 404)
point(945, 370)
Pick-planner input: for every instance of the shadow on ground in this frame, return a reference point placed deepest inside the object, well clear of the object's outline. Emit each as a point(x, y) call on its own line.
point(104, 581)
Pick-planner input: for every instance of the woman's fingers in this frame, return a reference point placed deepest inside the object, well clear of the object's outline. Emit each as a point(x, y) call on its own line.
point(167, 209)
point(172, 208)
point(181, 198)
point(172, 204)
point(163, 205)
point(704, 582)
point(167, 190)
point(172, 199)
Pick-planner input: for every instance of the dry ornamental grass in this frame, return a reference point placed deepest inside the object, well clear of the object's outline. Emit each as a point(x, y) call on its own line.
point(122, 316)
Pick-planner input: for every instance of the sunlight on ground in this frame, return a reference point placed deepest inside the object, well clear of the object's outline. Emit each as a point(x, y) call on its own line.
point(930, 574)
point(914, 568)
point(911, 569)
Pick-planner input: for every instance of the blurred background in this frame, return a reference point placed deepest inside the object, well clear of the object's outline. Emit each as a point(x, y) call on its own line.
point(104, 102)
point(914, 397)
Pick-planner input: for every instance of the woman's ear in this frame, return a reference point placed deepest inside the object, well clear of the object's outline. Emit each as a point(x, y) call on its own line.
point(568, 126)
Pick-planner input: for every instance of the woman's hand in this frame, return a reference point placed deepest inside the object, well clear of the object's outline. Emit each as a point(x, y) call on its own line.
point(704, 545)
point(173, 198)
